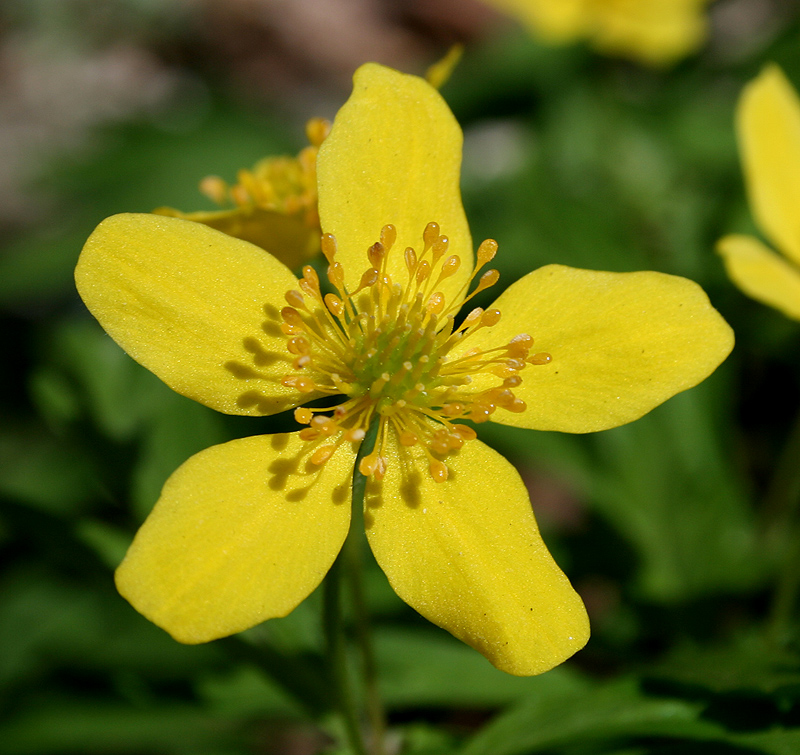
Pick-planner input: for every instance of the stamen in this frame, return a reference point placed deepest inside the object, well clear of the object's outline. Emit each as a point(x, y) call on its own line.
point(387, 352)
point(328, 245)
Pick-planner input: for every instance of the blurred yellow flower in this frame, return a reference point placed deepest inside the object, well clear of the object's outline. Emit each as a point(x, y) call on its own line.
point(244, 531)
point(273, 206)
point(654, 32)
point(768, 128)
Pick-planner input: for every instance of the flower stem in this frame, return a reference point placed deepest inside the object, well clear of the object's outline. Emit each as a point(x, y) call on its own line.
point(783, 530)
point(353, 548)
point(349, 563)
point(333, 625)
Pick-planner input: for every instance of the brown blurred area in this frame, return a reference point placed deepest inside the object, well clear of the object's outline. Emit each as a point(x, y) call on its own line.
point(70, 67)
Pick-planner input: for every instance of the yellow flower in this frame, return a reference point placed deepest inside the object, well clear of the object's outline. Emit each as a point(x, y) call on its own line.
point(273, 206)
point(246, 530)
point(655, 32)
point(768, 127)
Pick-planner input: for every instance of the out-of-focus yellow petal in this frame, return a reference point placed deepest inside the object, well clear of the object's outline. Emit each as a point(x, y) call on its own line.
point(552, 20)
point(762, 274)
point(193, 305)
point(621, 344)
point(242, 533)
point(287, 237)
point(656, 32)
point(768, 124)
point(466, 553)
point(393, 156)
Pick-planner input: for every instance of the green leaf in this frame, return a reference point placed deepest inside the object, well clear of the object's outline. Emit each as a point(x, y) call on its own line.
point(616, 710)
point(428, 668)
point(666, 485)
point(43, 471)
point(94, 726)
point(245, 691)
point(748, 664)
point(108, 542)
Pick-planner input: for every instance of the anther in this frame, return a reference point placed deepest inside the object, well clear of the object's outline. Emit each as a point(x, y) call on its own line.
point(322, 454)
point(410, 257)
point(450, 266)
point(472, 318)
point(491, 317)
point(517, 406)
point(311, 276)
point(540, 358)
point(302, 415)
point(430, 234)
point(301, 384)
point(438, 470)
point(298, 345)
point(465, 431)
point(435, 303)
point(292, 316)
point(328, 245)
point(214, 188)
point(336, 275)
point(423, 271)
point(369, 464)
point(334, 304)
point(440, 246)
point(295, 298)
point(487, 280)
point(388, 236)
point(376, 254)
point(369, 278)
point(486, 252)
point(316, 130)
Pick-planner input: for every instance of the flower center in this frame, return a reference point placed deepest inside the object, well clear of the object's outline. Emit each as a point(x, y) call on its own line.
point(387, 348)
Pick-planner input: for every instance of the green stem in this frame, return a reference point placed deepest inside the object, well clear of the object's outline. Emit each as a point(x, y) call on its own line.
point(782, 532)
point(353, 548)
point(333, 625)
point(333, 620)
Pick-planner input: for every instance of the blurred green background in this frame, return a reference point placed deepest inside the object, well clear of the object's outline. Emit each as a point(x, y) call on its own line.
point(680, 530)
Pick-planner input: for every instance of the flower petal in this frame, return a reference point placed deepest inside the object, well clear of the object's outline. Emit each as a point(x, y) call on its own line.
point(287, 237)
point(393, 156)
point(762, 274)
point(657, 32)
point(466, 553)
point(768, 123)
point(242, 533)
point(198, 308)
point(559, 21)
point(621, 344)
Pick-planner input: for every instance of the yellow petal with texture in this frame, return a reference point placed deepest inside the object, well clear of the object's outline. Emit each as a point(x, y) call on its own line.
point(466, 553)
point(287, 237)
point(242, 533)
point(768, 123)
point(393, 156)
point(762, 274)
point(621, 344)
point(196, 307)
